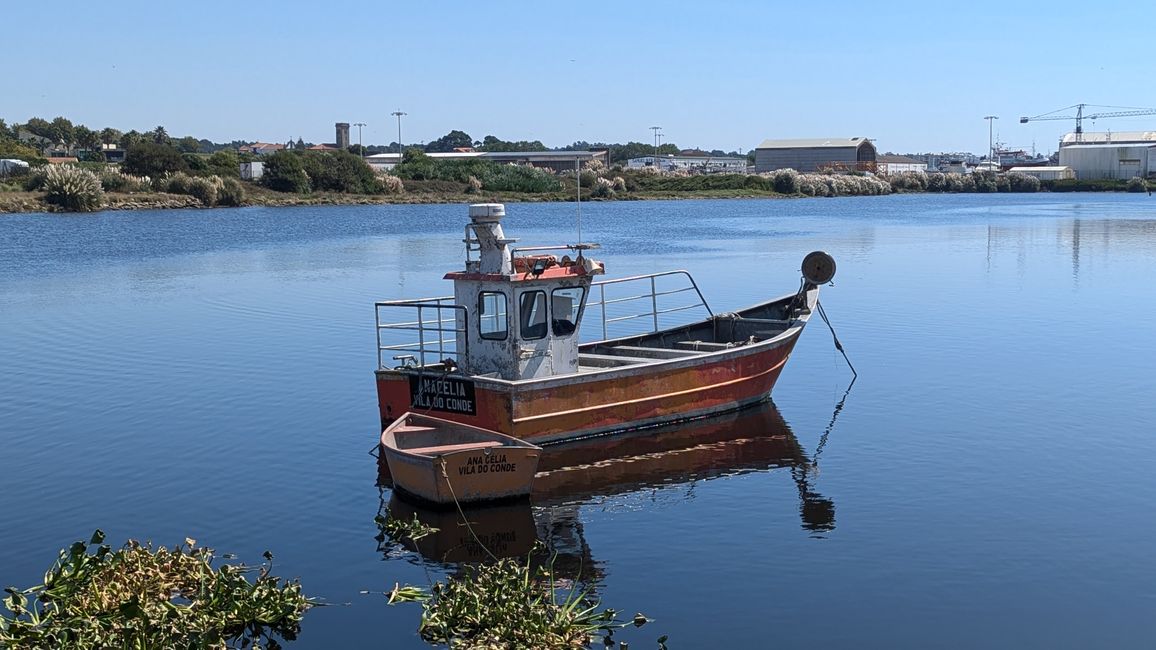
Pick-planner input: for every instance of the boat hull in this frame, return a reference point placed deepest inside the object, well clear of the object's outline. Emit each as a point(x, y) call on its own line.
point(593, 403)
point(468, 476)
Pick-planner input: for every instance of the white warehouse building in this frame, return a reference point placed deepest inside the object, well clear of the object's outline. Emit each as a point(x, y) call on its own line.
point(1045, 173)
point(1114, 161)
point(704, 164)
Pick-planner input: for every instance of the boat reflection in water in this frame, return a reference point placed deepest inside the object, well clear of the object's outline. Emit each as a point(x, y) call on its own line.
point(576, 473)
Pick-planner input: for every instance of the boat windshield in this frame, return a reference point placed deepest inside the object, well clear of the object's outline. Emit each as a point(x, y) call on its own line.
point(533, 314)
point(566, 305)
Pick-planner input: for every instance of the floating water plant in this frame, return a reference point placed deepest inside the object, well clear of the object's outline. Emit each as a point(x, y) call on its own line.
point(507, 603)
point(139, 596)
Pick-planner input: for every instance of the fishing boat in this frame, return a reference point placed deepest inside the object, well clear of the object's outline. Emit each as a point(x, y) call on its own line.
point(441, 462)
point(504, 352)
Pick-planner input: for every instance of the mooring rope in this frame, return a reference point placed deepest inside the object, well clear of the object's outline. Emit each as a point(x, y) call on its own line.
point(461, 512)
point(838, 345)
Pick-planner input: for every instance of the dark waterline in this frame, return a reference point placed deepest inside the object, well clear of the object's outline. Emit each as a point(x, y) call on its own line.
point(987, 482)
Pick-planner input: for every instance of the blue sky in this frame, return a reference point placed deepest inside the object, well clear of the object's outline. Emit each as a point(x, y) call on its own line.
point(915, 76)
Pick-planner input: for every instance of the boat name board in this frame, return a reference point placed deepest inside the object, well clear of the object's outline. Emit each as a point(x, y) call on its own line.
point(446, 394)
point(486, 464)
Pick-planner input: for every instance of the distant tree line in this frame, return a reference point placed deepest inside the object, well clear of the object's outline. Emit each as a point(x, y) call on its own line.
point(41, 135)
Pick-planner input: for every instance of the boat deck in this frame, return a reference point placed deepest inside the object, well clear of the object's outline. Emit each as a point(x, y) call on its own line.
point(723, 332)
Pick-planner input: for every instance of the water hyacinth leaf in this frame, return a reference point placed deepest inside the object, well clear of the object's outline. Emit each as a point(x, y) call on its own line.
point(407, 594)
point(640, 620)
point(97, 537)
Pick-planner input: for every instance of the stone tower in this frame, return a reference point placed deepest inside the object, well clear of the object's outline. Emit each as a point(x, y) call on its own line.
point(342, 135)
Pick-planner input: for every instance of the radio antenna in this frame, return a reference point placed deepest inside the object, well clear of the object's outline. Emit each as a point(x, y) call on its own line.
point(578, 216)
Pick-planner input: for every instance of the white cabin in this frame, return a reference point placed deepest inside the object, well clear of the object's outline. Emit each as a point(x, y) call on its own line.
point(522, 313)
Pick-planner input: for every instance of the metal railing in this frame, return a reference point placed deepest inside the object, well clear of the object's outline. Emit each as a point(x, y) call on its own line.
point(655, 297)
point(436, 323)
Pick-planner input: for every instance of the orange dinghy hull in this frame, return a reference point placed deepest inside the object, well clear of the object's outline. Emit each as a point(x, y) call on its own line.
point(439, 462)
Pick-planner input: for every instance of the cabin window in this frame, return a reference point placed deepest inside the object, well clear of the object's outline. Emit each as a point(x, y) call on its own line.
point(492, 315)
point(533, 313)
point(567, 306)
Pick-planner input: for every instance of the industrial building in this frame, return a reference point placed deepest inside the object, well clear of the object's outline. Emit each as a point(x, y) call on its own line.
point(556, 161)
point(698, 164)
point(1109, 137)
point(1045, 173)
point(889, 164)
point(1110, 161)
point(816, 154)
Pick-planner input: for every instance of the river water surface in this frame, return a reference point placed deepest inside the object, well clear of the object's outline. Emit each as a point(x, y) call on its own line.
point(988, 481)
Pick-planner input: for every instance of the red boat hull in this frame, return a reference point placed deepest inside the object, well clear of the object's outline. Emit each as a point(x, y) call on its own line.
point(596, 402)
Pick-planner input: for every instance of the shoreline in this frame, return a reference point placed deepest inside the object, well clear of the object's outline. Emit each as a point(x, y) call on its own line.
point(33, 202)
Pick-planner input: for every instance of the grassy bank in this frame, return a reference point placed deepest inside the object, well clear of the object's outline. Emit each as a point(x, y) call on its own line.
point(120, 192)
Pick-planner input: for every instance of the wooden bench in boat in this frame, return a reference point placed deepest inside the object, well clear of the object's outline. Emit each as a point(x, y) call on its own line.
point(651, 353)
point(592, 360)
point(441, 449)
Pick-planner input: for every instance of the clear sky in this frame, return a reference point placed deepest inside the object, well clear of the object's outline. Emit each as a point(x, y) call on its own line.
point(915, 76)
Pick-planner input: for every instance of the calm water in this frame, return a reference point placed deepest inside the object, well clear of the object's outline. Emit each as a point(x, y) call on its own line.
point(989, 480)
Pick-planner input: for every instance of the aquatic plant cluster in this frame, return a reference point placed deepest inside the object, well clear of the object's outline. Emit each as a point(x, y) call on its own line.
point(139, 596)
point(505, 603)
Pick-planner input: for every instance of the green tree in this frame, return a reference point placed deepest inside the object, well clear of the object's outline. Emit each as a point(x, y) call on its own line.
point(624, 152)
point(450, 141)
point(4, 132)
point(338, 171)
point(154, 160)
point(492, 143)
point(300, 146)
point(284, 172)
point(159, 135)
point(225, 164)
point(39, 127)
point(196, 164)
point(87, 138)
point(13, 149)
point(188, 144)
point(110, 136)
point(62, 131)
point(131, 139)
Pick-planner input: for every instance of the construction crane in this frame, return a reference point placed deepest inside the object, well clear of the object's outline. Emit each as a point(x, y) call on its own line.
point(1119, 111)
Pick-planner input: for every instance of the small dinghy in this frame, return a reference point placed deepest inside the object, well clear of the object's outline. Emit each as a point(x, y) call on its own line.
point(442, 462)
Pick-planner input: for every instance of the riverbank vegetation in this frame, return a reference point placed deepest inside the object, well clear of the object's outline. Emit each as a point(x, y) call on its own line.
point(140, 596)
point(160, 171)
point(321, 178)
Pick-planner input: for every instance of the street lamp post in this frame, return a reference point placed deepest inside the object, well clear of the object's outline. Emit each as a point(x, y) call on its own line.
point(990, 147)
point(398, 114)
point(360, 148)
point(657, 135)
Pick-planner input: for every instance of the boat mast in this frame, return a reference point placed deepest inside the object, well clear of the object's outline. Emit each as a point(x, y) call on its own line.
point(578, 217)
